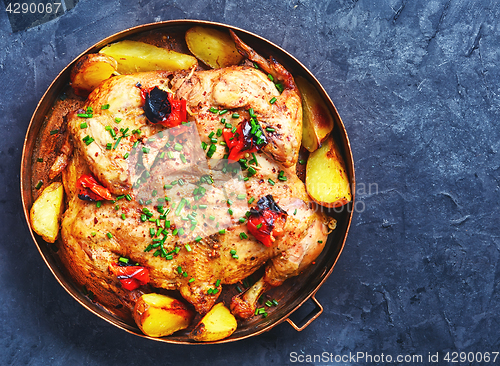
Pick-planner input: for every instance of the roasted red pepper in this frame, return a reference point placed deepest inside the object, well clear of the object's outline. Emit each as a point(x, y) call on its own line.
point(267, 221)
point(247, 138)
point(131, 277)
point(89, 189)
point(160, 107)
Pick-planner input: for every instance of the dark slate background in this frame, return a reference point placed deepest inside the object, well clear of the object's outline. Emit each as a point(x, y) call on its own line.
point(417, 85)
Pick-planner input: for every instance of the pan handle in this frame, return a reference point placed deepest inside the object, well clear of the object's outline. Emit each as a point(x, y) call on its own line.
point(314, 314)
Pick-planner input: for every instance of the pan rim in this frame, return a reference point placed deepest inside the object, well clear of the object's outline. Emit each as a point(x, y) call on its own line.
point(32, 133)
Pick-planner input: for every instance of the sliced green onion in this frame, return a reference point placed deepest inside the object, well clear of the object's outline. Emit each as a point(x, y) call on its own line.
point(211, 150)
point(273, 100)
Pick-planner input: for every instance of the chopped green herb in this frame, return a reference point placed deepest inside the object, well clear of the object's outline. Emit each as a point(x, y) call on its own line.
point(39, 184)
point(109, 235)
point(88, 140)
point(211, 150)
point(105, 106)
point(273, 100)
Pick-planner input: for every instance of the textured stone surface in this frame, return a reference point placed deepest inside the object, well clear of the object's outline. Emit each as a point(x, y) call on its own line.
point(416, 83)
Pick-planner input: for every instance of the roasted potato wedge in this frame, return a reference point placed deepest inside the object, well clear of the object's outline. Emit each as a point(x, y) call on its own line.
point(326, 178)
point(46, 212)
point(90, 70)
point(159, 315)
point(217, 324)
point(317, 122)
point(134, 56)
point(215, 48)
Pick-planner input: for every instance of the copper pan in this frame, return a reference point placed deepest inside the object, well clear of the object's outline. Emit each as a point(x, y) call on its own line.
point(294, 292)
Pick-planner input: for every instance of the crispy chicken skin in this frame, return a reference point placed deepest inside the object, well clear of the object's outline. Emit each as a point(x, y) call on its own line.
point(200, 257)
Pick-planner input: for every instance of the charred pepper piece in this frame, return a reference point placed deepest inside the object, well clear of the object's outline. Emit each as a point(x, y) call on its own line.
point(89, 189)
point(161, 107)
point(131, 276)
point(267, 220)
point(247, 138)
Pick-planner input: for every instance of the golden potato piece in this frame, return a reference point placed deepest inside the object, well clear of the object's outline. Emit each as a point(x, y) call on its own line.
point(160, 315)
point(134, 56)
point(46, 212)
point(217, 324)
point(326, 178)
point(90, 70)
point(317, 122)
point(215, 48)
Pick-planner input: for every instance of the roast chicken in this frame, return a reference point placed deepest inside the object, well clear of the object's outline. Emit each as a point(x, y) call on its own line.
point(178, 200)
